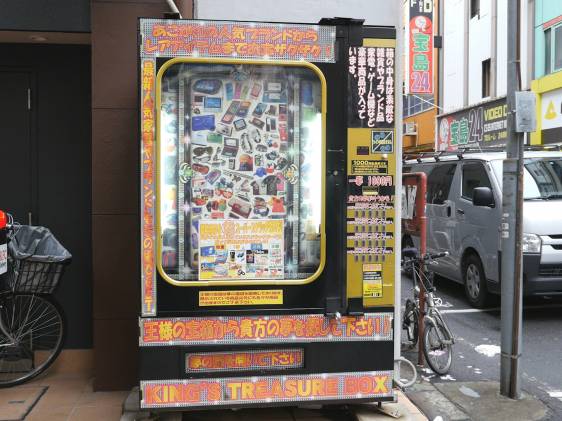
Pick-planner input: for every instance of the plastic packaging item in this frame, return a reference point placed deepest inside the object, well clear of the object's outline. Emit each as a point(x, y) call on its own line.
point(306, 92)
point(207, 86)
point(203, 122)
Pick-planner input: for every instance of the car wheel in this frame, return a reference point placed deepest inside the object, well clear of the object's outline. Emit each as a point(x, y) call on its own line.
point(475, 286)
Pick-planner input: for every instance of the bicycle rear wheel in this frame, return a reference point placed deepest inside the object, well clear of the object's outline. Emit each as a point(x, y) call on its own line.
point(437, 347)
point(32, 334)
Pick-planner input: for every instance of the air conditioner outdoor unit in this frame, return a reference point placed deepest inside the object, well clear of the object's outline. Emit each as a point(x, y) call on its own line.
point(410, 129)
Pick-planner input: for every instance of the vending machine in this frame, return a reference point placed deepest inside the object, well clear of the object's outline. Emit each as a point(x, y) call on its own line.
point(268, 173)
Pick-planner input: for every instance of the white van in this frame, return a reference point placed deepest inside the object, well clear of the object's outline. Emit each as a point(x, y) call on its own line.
point(463, 217)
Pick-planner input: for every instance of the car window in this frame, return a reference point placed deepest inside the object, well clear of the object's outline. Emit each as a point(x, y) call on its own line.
point(473, 175)
point(439, 183)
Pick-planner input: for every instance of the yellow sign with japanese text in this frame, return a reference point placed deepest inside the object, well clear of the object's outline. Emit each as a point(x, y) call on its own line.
point(234, 250)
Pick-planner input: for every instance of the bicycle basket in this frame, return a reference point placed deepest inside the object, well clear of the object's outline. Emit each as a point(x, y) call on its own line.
point(37, 260)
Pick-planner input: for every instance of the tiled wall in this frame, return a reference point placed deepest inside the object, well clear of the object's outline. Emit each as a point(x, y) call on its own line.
point(115, 185)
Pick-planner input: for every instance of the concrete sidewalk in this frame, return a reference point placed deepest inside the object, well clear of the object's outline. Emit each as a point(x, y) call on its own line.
point(65, 393)
point(474, 401)
point(403, 409)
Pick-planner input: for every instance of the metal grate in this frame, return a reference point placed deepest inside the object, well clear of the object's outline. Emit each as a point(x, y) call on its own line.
point(550, 270)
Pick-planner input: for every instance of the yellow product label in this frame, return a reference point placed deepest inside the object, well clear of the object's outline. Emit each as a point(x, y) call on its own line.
point(240, 298)
point(372, 280)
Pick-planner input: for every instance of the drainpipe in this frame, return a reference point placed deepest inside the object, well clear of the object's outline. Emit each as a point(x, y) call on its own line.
point(494, 51)
point(173, 7)
point(530, 43)
point(466, 51)
point(440, 56)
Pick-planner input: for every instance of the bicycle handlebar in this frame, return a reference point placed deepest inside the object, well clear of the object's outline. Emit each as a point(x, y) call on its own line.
point(412, 253)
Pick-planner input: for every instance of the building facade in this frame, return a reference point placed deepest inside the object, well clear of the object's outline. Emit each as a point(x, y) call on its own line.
point(547, 83)
point(474, 71)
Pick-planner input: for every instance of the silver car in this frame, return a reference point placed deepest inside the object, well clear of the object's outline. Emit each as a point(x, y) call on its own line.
point(463, 217)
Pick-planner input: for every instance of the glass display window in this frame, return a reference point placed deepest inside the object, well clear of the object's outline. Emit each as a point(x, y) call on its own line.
point(241, 155)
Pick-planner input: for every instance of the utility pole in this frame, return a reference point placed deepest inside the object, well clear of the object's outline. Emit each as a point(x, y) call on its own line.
point(512, 221)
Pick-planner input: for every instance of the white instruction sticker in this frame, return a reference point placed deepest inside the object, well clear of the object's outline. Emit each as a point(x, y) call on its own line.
point(3, 258)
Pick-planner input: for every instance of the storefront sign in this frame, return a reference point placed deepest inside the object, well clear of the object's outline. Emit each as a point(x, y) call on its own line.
point(479, 126)
point(148, 73)
point(265, 329)
point(218, 392)
point(420, 47)
point(371, 86)
point(245, 361)
point(237, 249)
point(260, 40)
point(551, 116)
point(240, 298)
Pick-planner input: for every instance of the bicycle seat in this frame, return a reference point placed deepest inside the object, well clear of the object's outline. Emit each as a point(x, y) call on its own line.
point(410, 252)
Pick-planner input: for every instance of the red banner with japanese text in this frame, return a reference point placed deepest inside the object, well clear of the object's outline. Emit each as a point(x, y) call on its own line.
point(244, 360)
point(218, 392)
point(148, 127)
point(264, 329)
point(258, 40)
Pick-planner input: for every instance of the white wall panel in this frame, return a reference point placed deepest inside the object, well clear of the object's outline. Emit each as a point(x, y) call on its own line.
point(375, 12)
point(502, 48)
point(453, 54)
point(480, 35)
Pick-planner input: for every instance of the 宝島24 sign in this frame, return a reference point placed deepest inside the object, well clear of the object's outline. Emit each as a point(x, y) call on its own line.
point(420, 47)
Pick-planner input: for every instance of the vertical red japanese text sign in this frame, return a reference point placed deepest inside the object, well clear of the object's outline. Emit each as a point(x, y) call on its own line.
point(420, 47)
point(148, 75)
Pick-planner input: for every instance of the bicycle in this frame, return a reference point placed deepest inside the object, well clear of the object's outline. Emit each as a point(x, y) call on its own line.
point(32, 323)
point(437, 341)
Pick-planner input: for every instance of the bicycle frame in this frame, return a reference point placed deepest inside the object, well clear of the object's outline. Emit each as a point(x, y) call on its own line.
point(431, 315)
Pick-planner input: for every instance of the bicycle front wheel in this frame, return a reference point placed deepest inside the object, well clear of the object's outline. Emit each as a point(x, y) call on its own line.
point(32, 331)
point(437, 347)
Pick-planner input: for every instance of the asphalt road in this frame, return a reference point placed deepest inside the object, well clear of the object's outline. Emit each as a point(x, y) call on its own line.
point(478, 339)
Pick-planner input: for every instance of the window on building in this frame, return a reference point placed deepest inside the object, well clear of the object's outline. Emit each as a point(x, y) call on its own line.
point(547, 51)
point(553, 49)
point(557, 48)
point(474, 8)
point(486, 67)
point(414, 104)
